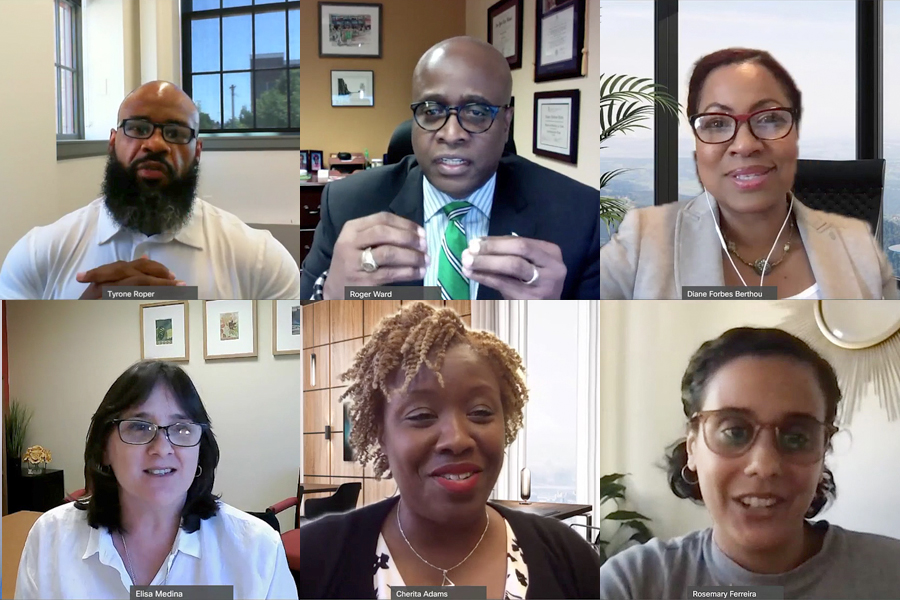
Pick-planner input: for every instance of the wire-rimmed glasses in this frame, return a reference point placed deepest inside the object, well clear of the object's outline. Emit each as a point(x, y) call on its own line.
point(142, 129)
point(730, 432)
point(720, 128)
point(474, 117)
point(137, 432)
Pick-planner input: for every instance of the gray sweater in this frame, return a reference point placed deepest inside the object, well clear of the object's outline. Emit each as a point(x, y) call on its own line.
point(850, 565)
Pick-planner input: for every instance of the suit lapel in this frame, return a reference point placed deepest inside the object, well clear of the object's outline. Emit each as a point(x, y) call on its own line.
point(410, 200)
point(827, 254)
point(508, 215)
point(698, 251)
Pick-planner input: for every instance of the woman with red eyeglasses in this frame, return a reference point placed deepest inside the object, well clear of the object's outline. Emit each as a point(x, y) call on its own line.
point(747, 228)
point(760, 407)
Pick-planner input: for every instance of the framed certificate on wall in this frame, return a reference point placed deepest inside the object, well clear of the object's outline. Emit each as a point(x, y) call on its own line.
point(559, 39)
point(556, 125)
point(505, 30)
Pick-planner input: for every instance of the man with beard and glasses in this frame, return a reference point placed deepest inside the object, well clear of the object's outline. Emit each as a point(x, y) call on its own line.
point(149, 228)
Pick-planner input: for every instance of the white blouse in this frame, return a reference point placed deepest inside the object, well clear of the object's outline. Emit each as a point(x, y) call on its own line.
point(810, 293)
point(64, 557)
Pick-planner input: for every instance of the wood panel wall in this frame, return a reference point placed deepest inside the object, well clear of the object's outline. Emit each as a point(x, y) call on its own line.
point(333, 332)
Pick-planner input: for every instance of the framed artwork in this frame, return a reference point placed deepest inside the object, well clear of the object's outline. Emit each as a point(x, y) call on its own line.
point(505, 30)
point(350, 30)
point(287, 327)
point(316, 161)
point(556, 125)
point(229, 329)
point(559, 39)
point(353, 88)
point(164, 331)
point(304, 159)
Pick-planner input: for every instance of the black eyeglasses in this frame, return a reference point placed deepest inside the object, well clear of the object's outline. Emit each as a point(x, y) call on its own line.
point(766, 124)
point(474, 117)
point(731, 433)
point(139, 433)
point(142, 129)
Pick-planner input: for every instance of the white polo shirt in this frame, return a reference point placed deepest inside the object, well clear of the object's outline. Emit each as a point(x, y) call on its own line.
point(64, 557)
point(214, 251)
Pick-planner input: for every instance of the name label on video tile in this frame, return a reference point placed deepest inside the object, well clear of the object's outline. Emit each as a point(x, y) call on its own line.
point(706, 292)
point(162, 292)
point(452, 592)
point(183, 592)
point(387, 292)
point(736, 592)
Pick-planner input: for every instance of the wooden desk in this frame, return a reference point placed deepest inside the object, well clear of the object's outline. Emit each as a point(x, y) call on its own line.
point(319, 488)
point(15, 530)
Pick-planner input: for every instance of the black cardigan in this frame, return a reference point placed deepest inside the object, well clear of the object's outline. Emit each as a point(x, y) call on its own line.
point(337, 554)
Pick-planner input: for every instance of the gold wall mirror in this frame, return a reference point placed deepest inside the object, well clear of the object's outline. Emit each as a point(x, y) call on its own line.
point(857, 324)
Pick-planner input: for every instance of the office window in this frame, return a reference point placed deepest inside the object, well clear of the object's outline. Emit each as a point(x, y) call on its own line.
point(241, 64)
point(628, 24)
point(68, 70)
point(891, 66)
point(793, 31)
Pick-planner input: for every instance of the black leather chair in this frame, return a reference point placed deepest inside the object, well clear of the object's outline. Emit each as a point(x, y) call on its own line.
point(854, 188)
point(343, 500)
point(269, 517)
point(400, 145)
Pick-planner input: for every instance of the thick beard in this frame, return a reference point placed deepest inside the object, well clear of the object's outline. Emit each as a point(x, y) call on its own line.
point(146, 208)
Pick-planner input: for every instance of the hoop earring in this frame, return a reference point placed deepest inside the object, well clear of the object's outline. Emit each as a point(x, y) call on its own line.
point(685, 478)
point(104, 470)
point(199, 471)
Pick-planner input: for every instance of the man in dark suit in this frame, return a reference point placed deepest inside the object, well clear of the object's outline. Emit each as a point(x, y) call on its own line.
point(459, 214)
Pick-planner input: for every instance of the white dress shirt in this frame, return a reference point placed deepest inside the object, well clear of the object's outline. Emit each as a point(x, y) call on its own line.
point(64, 557)
point(214, 251)
point(476, 222)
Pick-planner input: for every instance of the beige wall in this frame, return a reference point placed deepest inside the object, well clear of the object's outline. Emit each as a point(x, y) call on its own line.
point(64, 355)
point(645, 347)
point(410, 28)
point(588, 169)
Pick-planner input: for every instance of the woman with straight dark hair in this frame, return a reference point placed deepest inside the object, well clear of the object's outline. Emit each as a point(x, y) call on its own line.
point(760, 407)
point(747, 228)
point(150, 517)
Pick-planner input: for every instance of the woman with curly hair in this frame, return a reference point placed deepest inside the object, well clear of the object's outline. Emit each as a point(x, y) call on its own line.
point(434, 407)
point(760, 407)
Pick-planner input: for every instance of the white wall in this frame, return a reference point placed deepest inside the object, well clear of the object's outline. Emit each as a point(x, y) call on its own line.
point(104, 51)
point(588, 169)
point(645, 347)
point(64, 355)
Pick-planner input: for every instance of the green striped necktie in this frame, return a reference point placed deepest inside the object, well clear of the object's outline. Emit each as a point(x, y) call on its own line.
point(454, 285)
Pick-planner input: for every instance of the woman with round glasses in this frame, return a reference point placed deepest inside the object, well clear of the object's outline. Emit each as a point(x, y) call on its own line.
point(760, 407)
point(150, 517)
point(434, 405)
point(747, 228)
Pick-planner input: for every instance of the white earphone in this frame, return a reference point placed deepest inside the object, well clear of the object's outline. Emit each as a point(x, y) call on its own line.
point(725, 246)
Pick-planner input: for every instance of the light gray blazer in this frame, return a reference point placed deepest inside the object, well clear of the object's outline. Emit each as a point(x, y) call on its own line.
point(659, 249)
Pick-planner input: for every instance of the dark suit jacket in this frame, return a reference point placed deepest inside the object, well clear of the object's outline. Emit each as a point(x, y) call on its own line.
point(529, 199)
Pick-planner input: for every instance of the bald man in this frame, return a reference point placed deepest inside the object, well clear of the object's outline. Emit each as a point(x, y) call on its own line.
point(459, 214)
point(149, 228)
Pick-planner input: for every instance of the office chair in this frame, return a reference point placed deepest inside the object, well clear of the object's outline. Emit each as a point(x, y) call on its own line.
point(853, 188)
point(343, 500)
point(269, 517)
point(400, 145)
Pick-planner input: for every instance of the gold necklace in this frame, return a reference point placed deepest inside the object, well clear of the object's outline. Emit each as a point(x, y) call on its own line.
point(131, 570)
point(762, 266)
point(446, 580)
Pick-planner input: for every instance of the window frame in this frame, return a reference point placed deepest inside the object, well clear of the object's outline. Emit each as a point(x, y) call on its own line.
point(188, 15)
point(77, 70)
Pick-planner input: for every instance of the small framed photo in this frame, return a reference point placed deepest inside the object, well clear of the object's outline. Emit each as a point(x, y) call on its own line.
point(505, 30)
point(229, 329)
point(350, 30)
point(556, 125)
point(164, 331)
point(316, 161)
point(353, 88)
point(304, 160)
point(287, 327)
point(559, 39)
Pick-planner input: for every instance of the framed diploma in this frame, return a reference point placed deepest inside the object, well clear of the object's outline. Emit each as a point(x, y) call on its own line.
point(556, 125)
point(559, 39)
point(505, 30)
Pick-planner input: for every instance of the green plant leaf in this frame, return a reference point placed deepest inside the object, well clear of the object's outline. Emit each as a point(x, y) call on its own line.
point(625, 515)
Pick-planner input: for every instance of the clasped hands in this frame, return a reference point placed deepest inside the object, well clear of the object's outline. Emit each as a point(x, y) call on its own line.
point(517, 267)
point(140, 272)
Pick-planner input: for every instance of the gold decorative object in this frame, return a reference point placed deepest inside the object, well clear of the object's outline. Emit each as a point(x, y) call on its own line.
point(36, 459)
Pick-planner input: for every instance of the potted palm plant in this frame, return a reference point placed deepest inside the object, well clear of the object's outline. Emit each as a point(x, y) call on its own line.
point(626, 102)
point(619, 523)
point(15, 425)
